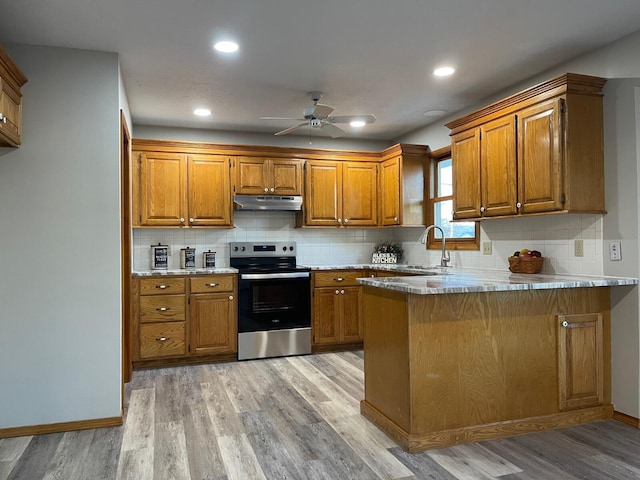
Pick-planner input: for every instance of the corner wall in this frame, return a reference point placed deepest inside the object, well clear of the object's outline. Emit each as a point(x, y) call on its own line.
point(60, 349)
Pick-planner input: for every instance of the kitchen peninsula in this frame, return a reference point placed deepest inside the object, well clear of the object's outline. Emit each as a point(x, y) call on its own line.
point(474, 355)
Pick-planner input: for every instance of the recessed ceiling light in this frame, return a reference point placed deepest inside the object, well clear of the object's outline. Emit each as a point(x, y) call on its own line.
point(202, 112)
point(358, 123)
point(444, 71)
point(226, 46)
point(434, 113)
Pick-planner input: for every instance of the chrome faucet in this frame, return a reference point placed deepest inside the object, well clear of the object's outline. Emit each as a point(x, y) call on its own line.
point(445, 255)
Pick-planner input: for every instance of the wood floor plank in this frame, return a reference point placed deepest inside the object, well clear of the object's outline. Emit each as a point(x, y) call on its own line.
point(422, 465)
point(65, 462)
point(103, 455)
point(240, 392)
point(224, 417)
point(12, 448)
point(205, 461)
point(465, 461)
point(139, 425)
point(168, 406)
point(239, 458)
point(34, 461)
point(136, 464)
point(170, 456)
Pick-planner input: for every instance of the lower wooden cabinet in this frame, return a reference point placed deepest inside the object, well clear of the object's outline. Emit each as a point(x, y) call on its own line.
point(580, 360)
point(337, 310)
point(183, 319)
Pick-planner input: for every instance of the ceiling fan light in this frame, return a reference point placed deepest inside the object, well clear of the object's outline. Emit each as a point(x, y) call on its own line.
point(226, 46)
point(358, 123)
point(444, 71)
point(202, 112)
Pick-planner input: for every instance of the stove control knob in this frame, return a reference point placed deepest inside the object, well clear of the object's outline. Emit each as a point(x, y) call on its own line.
point(291, 248)
point(235, 249)
point(284, 249)
point(244, 248)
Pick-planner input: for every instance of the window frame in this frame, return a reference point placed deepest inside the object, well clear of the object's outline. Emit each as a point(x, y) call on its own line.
point(434, 243)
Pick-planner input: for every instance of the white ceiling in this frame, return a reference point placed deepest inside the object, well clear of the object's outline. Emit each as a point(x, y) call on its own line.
point(368, 56)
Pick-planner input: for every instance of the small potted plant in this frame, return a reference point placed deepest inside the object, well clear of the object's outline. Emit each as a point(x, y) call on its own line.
point(387, 252)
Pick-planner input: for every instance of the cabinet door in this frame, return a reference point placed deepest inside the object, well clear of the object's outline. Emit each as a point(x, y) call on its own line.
point(213, 322)
point(323, 193)
point(11, 110)
point(251, 176)
point(285, 177)
point(540, 158)
point(209, 190)
point(163, 196)
point(498, 182)
point(351, 325)
point(359, 194)
point(580, 360)
point(465, 156)
point(326, 315)
point(390, 192)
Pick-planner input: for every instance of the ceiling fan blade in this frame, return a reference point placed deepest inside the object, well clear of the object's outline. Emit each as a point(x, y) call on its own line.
point(282, 118)
point(351, 118)
point(332, 130)
point(291, 129)
point(321, 111)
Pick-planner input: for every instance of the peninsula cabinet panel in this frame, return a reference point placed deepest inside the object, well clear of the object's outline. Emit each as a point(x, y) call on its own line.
point(580, 360)
point(213, 323)
point(209, 190)
point(163, 189)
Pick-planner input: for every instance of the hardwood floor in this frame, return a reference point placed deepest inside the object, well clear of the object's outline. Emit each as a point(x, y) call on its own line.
point(294, 418)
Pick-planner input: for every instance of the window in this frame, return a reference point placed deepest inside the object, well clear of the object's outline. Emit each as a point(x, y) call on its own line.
point(459, 235)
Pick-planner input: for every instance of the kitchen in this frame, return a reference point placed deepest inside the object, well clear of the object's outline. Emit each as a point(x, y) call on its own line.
point(39, 195)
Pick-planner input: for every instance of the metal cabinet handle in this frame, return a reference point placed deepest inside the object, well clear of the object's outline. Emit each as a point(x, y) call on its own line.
point(266, 190)
point(481, 209)
point(191, 220)
point(342, 292)
point(339, 220)
point(395, 219)
point(337, 292)
point(338, 279)
point(3, 118)
point(181, 219)
point(230, 297)
point(272, 190)
point(162, 287)
point(211, 284)
point(162, 339)
point(565, 324)
point(346, 220)
point(163, 309)
point(518, 205)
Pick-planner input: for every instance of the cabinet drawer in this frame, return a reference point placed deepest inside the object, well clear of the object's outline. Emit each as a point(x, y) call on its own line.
point(154, 308)
point(212, 283)
point(162, 285)
point(162, 340)
point(336, 278)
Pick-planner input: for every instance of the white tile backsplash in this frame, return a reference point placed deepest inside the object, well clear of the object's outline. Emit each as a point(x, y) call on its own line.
point(553, 235)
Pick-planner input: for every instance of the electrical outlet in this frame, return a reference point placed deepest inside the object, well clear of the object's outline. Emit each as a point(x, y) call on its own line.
point(578, 248)
point(486, 248)
point(615, 252)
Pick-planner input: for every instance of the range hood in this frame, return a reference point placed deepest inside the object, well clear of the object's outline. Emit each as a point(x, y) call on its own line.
point(267, 202)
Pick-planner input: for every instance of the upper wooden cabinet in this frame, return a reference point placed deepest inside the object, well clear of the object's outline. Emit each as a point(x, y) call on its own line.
point(178, 189)
point(268, 176)
point(402, 184)
point(340, 194)
point(538, 151)
point(11, 81)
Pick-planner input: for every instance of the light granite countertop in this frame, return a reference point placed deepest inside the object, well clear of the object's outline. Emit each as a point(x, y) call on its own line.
point(183, 271)
point(431, 280)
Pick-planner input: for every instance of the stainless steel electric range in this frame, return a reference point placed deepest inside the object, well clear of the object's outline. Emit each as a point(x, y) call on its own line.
point(274, 300)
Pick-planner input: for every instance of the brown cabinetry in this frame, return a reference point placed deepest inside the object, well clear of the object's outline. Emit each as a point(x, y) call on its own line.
point(268, 176)
point(539, 151)
point(337, 310)
point(178, 189)
point(341, 194)
point(11, 81)
point(580, 360)
point(212, 316)
point(183, 319)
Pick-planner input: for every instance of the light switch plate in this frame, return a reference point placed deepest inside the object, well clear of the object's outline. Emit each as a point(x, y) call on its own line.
point(486, 248)
point(615, 252)
point(578, 248)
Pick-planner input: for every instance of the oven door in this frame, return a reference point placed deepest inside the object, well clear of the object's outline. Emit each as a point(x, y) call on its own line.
point(274, 301)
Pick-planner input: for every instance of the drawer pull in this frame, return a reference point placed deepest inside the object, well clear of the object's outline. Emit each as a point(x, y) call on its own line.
point(565, 324)
point(163, 309)
point(338, 279)
point(162, 287)
point(162, 339)
point(211, 284)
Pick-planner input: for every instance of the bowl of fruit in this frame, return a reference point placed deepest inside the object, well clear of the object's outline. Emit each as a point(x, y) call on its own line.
point(526, 261)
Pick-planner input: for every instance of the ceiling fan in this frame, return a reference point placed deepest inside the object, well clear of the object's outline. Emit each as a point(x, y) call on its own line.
point(319, 116)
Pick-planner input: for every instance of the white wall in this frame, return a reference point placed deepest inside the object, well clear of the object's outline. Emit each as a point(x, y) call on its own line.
point(616, 61)
point(59, 243)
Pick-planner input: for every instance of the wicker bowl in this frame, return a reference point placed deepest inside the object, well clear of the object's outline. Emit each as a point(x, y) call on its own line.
point(525, 265)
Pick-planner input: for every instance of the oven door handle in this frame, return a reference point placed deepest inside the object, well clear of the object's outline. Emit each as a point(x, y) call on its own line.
point(269, 276)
